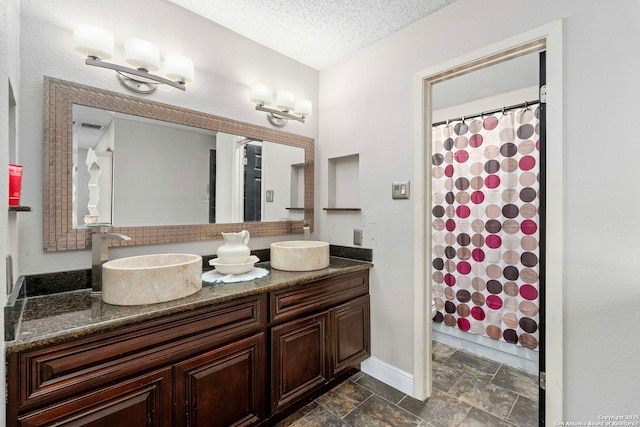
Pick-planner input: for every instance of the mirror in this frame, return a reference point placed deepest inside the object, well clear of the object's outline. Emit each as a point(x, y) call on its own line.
point(224, 202)
point(189, 175)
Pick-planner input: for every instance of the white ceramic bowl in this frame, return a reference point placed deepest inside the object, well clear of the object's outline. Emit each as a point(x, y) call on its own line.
point(226, 268)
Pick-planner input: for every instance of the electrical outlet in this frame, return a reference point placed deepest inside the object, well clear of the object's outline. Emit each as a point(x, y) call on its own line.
point(357, 236)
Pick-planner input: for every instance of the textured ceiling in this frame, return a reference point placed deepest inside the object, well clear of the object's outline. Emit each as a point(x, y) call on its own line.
point(315, 32)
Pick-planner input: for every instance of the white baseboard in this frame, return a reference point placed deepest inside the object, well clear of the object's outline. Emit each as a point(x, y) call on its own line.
point(388, 374)
point(498, 351)
point(508, 354)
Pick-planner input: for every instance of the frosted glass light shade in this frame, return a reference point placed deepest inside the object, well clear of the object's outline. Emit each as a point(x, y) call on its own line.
point(93, 41)
point(142, 54)
point(304, 107)
point(179, 68)
point(261, 93)
point(286, 99)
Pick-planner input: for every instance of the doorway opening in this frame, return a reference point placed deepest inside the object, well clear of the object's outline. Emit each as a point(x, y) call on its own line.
point(487, 180)
point(549, 40)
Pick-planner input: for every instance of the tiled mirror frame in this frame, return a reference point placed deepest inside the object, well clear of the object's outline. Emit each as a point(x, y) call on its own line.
point(59, 234)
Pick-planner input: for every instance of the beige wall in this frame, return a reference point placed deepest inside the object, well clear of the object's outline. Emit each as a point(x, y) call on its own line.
point(366, 107)
point(226, 64)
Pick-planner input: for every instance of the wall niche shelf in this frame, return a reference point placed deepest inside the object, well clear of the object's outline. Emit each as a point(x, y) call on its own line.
point(343, 183)
point(19, 209)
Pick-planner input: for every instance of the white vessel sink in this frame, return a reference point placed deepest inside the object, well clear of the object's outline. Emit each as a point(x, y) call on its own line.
point(300, 255)
point(150, 279)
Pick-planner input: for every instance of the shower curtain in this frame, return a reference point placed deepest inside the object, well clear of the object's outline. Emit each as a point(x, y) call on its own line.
point(485, 225)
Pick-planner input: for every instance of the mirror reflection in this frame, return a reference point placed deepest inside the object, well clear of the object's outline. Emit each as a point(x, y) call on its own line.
point(61, 233)
point(131, 171)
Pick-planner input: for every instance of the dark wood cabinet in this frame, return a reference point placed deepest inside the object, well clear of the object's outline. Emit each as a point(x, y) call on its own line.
point(299, 359)
point(223, 387)
point(308, 352)
point(126, 377)
point(245, 362)
point(350, 329)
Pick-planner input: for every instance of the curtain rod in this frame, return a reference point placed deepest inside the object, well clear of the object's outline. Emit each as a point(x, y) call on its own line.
point(488, 113)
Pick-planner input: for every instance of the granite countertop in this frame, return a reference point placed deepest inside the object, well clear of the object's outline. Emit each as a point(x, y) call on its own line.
point(49, 319)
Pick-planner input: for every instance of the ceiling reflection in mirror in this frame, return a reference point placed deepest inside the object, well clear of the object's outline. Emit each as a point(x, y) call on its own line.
point(126, 190)
point(131, 171)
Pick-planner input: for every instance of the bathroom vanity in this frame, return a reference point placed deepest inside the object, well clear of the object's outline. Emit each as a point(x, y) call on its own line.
point(231, 355)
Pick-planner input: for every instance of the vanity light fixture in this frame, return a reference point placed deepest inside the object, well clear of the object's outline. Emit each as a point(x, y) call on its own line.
point(288, 106)
point(98, 44)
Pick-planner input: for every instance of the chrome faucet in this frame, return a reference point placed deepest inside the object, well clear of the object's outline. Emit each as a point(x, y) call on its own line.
point(99, 252)
point(307, 228)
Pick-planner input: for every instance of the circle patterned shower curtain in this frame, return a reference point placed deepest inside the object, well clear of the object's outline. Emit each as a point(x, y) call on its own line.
point(485, 225)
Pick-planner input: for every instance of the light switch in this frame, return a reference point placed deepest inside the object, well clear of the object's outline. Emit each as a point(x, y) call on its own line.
point(269, 196)
point(400, 190)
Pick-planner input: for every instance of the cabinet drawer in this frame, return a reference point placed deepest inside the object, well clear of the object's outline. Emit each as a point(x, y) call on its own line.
point(144, 400)
point(62, 370)
point(289, 303)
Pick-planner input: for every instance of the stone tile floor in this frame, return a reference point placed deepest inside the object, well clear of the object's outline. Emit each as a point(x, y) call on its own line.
point(468, 390)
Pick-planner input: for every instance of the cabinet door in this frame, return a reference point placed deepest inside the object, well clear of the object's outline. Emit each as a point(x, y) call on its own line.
point(143, 401)
point(350, 334)
point(223, 387)
point(298, 359)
